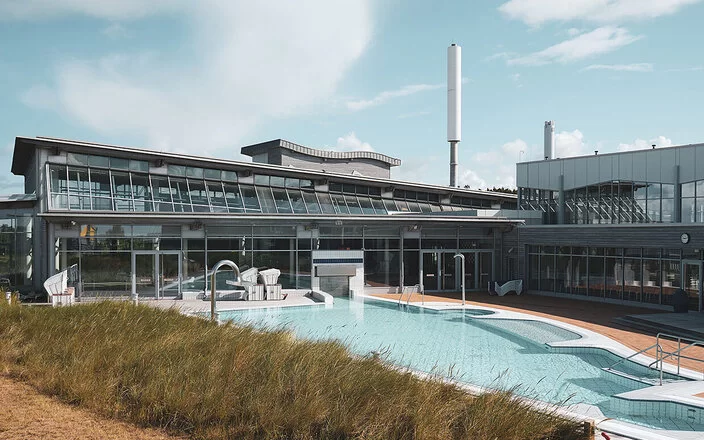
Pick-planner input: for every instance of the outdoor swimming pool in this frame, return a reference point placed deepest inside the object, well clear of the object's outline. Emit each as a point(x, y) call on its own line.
point(495, 353)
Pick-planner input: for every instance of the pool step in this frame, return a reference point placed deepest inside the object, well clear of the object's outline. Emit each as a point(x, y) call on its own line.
point(641, 379)
point(650, 325)
point(675, 416)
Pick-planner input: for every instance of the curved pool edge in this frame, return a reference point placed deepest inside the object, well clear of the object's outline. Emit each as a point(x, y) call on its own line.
point(588, 340)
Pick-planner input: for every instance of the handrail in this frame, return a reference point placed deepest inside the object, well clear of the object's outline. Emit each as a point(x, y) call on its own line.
point(408, 299)
point(662, 354)
point(633, 355)
point(235, 269)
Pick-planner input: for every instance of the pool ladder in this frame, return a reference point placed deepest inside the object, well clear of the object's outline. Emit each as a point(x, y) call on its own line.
point(661, 354)
point(413, 289)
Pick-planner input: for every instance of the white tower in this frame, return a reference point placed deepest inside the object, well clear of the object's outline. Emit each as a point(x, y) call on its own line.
point(549, 136)
point(454, 106)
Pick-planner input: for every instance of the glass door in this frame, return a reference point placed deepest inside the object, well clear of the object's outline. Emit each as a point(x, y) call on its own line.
point(169, 274)
point(144, 279)
point(485, 268)
point(691, 283)
point(430, 271)
point(448, 271)
point(470, 270)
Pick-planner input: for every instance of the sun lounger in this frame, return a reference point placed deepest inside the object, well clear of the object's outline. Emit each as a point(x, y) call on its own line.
point(509, 286)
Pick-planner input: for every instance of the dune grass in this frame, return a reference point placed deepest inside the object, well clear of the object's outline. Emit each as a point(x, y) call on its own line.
point(159, 368)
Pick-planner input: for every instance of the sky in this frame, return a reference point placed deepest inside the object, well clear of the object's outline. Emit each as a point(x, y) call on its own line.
point(211, 76)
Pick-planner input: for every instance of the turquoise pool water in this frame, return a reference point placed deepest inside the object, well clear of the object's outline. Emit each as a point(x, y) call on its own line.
point(495, 353)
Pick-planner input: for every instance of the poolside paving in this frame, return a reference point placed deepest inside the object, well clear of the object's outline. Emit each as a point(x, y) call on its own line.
point(597, 317)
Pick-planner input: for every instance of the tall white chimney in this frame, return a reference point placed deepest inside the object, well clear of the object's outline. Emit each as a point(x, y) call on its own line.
point(454, 107)
point(549, 135)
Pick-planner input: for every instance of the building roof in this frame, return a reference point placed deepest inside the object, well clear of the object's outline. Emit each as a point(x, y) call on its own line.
point(618, 153)
point(253, 150)
point(24, 151)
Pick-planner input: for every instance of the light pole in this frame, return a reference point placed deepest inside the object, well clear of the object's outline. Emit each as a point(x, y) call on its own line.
point(461, 256)
point(520, 153)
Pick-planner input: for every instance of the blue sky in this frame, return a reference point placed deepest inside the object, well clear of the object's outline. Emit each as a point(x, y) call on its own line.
point(211, 76)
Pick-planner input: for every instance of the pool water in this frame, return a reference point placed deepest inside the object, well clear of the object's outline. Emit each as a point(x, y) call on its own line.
point(495, 353)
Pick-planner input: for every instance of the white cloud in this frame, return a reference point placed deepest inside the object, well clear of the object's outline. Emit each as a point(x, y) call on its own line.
point(350, 142)
point(637, 67)
point(537, 12)
point(500, 56)
point(413, 114)
point(570, 144)
point(236, 76)
point(105, 9)
point(597, 42)
point(385, 96)
point(498, 166)
point(687, 69)
point(573, 32)
point(470, 179)
point(116, 31)
point(641, 144)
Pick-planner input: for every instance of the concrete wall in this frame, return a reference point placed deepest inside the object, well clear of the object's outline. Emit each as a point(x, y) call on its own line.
point(342, 258)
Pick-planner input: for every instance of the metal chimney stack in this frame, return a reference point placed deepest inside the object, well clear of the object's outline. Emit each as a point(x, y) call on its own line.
point(549, 133)
point(454, 107)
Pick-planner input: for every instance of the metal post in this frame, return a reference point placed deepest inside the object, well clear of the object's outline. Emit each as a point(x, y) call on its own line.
point(461, 256)
point(235, 269)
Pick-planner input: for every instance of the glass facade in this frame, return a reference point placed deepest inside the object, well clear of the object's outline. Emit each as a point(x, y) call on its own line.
point(647, 275)
point(608, 203)
point(693, 202)
point(128, 186)
point(166, 259)
point(15, 251)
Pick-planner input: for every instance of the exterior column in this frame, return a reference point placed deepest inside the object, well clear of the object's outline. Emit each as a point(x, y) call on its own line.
point(561, 201)
point(678, 196)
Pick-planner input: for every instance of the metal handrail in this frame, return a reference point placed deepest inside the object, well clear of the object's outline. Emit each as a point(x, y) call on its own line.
point(662, 354)
point(622, 360)
point(238, 279)
point(408, 299)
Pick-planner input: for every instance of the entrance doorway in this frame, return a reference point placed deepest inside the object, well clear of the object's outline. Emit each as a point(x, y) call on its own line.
point(441, 271)
point(156, 274)
point(692, 283)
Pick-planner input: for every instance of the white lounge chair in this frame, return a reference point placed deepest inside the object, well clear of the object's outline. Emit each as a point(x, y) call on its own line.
point(270, 278)
point(58, 290)
point(509, 286)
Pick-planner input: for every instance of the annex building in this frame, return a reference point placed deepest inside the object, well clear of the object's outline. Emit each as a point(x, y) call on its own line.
point(153, 223)
point(616, 227)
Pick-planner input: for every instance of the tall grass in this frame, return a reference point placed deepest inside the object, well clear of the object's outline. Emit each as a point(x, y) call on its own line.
point(160, 368)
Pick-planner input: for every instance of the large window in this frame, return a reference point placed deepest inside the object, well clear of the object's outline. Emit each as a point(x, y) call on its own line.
point(617, 202)
point(100, 183)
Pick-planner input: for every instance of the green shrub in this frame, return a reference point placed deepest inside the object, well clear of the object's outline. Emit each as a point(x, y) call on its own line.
point(160, 368)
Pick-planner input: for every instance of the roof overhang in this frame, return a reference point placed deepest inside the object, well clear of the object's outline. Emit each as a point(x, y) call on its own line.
point(264, 147)
point(215, 218)
point(24, 149)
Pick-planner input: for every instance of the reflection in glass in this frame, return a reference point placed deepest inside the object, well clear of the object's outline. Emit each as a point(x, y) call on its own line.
point(311, 202)
point(283, 206)
point(162, 194)
point(233, 197)
point(266, 199)
point(297, 203)
point(251, 202)
point(217, 196)
point(326, 203)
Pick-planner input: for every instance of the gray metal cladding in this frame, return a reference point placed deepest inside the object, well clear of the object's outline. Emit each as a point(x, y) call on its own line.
point(651, 165)
point(655, 236)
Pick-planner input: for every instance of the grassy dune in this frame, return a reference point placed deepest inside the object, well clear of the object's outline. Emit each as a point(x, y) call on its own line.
point(159, 368)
